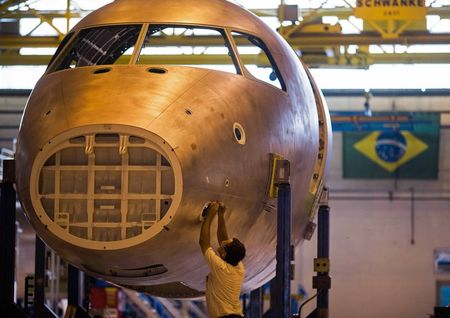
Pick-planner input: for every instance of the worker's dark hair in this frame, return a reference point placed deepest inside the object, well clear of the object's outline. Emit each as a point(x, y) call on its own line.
point(235, 252)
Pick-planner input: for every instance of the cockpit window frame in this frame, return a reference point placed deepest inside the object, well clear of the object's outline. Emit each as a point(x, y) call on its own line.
point(62, 47)
point(229, 43)
point(222, 30)
point(58, 57)
point(266, 50)
point(60, 51)
point(226, 33)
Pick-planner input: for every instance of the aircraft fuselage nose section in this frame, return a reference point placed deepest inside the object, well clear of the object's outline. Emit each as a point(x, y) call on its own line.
point(122, 144)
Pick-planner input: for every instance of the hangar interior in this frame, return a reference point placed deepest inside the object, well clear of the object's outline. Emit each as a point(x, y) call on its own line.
point(386, 83)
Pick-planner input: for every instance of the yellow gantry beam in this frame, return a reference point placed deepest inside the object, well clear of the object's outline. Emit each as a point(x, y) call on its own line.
point(342, 13)
point(303, 41)
point(368, 38)
point(48, 14)
point(199, 59)
point(18, 42)
point(353, 61)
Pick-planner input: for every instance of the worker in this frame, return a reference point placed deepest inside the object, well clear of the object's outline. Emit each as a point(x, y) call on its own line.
point(223, 283)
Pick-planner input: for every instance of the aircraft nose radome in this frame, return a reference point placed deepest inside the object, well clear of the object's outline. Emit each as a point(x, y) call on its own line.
point(106, 186)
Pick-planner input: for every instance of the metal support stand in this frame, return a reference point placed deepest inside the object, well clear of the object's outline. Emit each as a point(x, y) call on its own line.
point(256, 305)
point(40, 308)
point(8, 242)
point(322, 282)
point(280, 287)
point(441, 312)
point(74, 288)
point(283, 279)
point(75, 294)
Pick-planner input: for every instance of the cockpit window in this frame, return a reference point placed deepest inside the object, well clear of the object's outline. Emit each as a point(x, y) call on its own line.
point(263, 67)
point(101, 46)
point(187, 46)
point(61, 46)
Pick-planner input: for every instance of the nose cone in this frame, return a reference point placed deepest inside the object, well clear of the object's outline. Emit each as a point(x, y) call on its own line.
point(91, 171)
point(75, 98)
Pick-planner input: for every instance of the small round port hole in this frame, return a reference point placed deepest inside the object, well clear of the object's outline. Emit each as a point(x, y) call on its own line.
point(157, 70)
point(239, 133)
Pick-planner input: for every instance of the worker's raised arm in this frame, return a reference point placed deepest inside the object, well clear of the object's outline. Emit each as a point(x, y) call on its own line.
point(222, 234)
point(205, 232)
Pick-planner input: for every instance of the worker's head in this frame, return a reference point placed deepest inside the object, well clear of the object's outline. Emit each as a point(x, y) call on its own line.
point(232, 251)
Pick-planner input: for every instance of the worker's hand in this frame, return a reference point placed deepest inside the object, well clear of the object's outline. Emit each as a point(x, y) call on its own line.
point(222, 207)
point(212, 209)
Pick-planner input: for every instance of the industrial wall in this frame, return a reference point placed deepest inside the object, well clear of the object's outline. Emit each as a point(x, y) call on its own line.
point(381, 250)
point(11, 108)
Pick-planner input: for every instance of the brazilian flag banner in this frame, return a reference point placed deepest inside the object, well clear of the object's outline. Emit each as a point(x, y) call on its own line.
point(391, 153)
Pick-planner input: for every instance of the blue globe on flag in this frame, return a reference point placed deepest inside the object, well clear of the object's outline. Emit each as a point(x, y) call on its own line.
point(390, 146)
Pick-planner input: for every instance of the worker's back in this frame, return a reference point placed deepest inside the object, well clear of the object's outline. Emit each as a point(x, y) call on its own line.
point(223, 286)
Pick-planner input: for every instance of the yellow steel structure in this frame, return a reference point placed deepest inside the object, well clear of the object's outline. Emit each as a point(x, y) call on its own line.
point(391, 17)
point(319, 44)
point(390, 9)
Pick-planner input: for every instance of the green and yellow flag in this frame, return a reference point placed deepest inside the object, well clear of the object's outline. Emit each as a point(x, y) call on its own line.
point(394, 153)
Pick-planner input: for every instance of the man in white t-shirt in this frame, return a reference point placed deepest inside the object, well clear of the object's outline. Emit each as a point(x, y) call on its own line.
point(223, 284)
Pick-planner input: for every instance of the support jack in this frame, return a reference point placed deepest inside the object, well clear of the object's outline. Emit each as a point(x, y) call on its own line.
point(322, 281)
point(75, 293)
point(280, 286)
point(8, 242)
point(7, 261)
point(40, 308)
point(280, 300)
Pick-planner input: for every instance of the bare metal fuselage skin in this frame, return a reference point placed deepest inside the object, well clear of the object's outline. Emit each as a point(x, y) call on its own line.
point(211, 163)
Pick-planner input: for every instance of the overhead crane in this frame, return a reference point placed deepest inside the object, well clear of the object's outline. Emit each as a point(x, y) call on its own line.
point(319, 44)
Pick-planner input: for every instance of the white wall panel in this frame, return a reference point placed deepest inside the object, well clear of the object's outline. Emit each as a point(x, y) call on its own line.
point(376, 271)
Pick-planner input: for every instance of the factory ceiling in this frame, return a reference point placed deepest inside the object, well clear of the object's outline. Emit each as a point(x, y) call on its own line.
point(396, 38)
